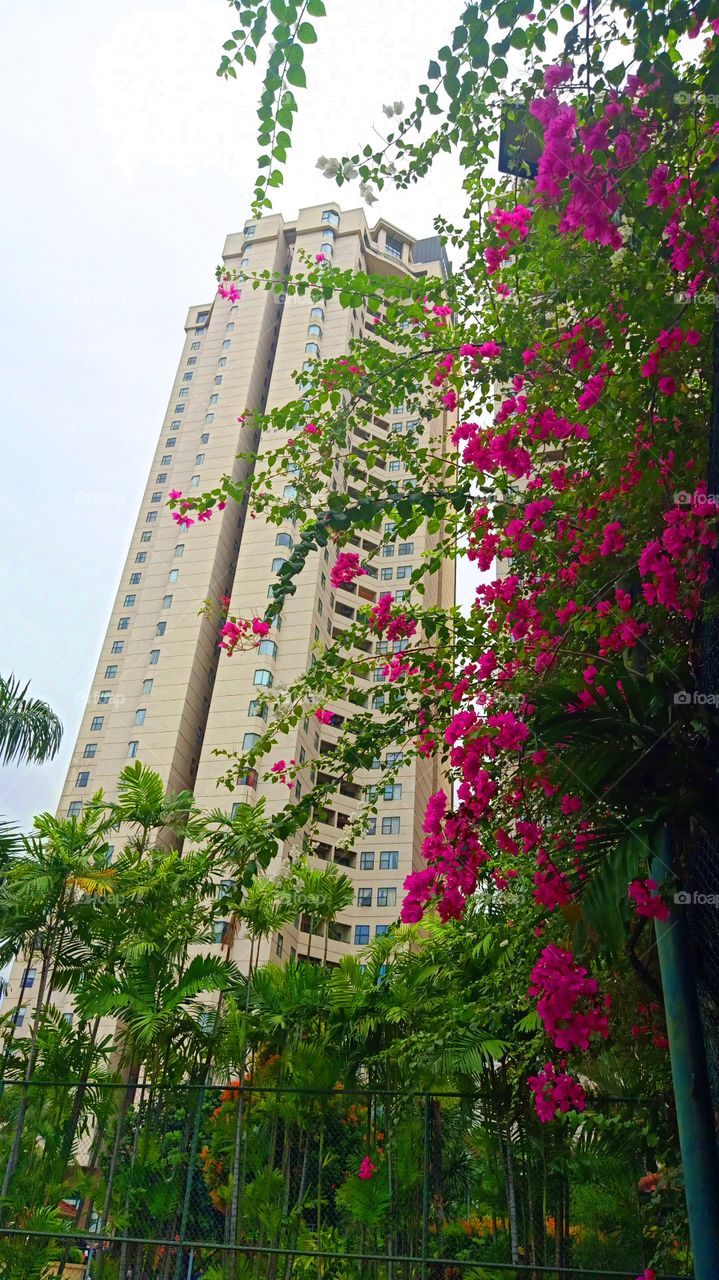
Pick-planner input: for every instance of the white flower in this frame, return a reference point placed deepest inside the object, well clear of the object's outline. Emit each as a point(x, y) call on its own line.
point(322, 162)
point(393, 109)
point(398, 108)
point(348, 170)
point(367, 193)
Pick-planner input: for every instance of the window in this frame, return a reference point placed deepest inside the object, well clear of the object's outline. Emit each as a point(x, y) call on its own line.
point(173, 575)
point(267, 649)
point(400, 595)
point(380, 930)
point(170, 442)
point(398, 408)
point(118, 646)
point(217, 380)
point(187, 377)
point(140, 715)
point(129, 601)
point(161, 477)
point(154, 657)
point(147, 686)
point(393, 791)
point(387, 897)
point(257, 708)
point(367, 861)
point(194, 346)
point(141, 557)
point(413, 425)
point(388, 859)
point(135, 579)
point(289, 491)
point(179, 550)
point(161, 628)
point(133, 748)
point(390, 826)
point(331, 217)
point(90, 751)
point(209, 418)
point(167, 602)
point(82, 779)
point(284, 540)
point(386, 574)
point(248, 779)
point(329, 234)
point(327, 248)
point(263, 677)
point(175, 426)
point(404, 571)
point(312, 349)
point(111, 671)
point(74, 809)
point(222, 361)
point(229, 327)
point(394, 465)
point(388, 550)
point(249, 230)
point(280, 944)
point(277, 564)
point(314, 330)
point(220, 929)
point(204, 438)
point(18, 1016)
point(199, 459)
point(213, 399)
point(317, 313)
point(249, 741)
point(244, 262)
point(194, 481)
point(393, 757)
point(393, 247)
point(406, 549)
point(361, 935)
point(202, 317)
point(151, 517)
point(96, 723)
point(364, 897)
point(183, 392)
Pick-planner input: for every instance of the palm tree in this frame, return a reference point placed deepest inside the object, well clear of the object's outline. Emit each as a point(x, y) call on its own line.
point(320, 894)
point(30, 732)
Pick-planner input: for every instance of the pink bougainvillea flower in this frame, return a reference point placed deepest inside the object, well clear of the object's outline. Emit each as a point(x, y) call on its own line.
point(324, 717)
point(647, 902)
point(366, 1169)
point(346, 568)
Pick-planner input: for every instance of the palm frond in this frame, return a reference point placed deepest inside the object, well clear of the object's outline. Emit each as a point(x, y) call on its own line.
point(30, 732)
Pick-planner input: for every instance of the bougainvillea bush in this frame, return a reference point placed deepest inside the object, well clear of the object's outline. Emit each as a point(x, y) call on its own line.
point(571, 354)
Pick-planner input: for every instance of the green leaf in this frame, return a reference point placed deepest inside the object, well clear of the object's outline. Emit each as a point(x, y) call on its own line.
point(316, 8)
point(498, 68)
point(307, 33)
point(297, 77)
point(433, 71)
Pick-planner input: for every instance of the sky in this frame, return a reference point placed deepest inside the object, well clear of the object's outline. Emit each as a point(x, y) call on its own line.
point(127, 161)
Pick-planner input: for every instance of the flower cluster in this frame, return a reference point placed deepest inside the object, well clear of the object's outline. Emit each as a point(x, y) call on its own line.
point(555, 1091)
point(346, 568)
point(568, 1000)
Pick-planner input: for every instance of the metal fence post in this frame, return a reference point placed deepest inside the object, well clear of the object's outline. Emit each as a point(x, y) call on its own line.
point(188, 1182)
point(425, 1185)
point(695, 1120)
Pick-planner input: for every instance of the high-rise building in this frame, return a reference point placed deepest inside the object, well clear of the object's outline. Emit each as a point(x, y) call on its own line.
point(163, 692)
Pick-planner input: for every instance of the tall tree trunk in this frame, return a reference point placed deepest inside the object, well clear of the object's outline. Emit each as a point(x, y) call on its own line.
point(511, 1198)
point(30, 1067)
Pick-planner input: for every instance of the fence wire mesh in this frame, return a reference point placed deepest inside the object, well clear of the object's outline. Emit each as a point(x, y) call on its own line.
point(231, 1182)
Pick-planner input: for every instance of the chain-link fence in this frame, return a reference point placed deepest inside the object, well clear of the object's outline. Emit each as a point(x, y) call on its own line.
point(234, 1181)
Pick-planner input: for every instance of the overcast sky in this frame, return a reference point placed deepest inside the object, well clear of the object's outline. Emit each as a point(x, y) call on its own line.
point(126, 162)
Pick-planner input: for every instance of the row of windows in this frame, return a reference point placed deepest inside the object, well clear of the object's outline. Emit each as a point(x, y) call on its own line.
point(403, 571)
point(388, 860)
point(361, 937)
point(386, 897)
